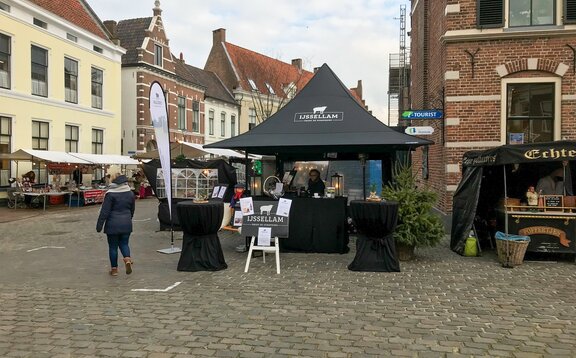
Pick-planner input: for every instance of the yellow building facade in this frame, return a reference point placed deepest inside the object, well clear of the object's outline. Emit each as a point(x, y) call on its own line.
point(60, 83)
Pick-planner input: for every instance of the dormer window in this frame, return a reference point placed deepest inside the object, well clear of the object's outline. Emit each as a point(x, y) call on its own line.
point(40, 23)
point(4, 7)
point(252, 84)
point(270, 89)
point(158, 55)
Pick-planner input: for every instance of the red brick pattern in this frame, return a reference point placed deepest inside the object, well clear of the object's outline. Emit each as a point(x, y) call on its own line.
point(76, 12)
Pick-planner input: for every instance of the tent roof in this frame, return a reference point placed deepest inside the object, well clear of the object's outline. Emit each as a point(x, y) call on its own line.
point(521, 153)
point(64, 157)
point(45, 155)
point(106, 158)
point(322, 118)
point(221, 152)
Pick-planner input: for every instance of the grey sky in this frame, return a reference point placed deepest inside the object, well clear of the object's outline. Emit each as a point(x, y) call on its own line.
point(354, 37)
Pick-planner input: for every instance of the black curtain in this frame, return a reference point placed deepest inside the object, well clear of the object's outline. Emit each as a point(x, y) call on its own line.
point(464, 207)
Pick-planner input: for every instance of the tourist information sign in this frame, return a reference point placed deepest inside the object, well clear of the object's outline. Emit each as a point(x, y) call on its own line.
point(423, 114)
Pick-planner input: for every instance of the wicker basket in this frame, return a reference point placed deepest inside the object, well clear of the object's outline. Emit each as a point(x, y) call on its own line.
point(517, 249)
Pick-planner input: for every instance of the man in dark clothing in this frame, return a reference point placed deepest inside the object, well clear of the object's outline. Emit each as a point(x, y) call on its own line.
point(315, 184)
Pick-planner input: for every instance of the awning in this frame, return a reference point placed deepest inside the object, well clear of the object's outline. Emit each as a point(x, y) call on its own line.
point(43, 155)
point(106, 158)
point(229, 153)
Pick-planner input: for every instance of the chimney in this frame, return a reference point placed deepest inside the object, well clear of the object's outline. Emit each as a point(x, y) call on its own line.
point(316, 69)
point(218, 36)
point(181, 57)
point(157, 10)
point(297, 62)
point(111, 26)
point(359, 89)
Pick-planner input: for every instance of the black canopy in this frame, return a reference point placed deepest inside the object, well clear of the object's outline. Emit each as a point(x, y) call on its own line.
point(322, 118)
point(474, 164)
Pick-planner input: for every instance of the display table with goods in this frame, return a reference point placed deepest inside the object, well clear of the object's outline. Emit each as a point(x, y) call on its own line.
point(44, 195)
point(201, 250)
point(550, 228)
point(375, 248)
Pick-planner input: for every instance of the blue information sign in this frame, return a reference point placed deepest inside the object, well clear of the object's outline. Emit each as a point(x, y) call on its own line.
point(423, 114)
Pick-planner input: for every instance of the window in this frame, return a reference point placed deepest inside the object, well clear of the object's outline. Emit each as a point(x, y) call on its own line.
point(71, 139)
point(97, 49)
point(529, 112)
point(71, 37)
point(40, 23)
point(4, 61)
point(232, 125)
point(97, 83)
point(522, 13)
point(252, 115)
point(181, 113)
point(4, 7)
point(97, 141)
point(188, 183)
point(70, 80)
point(158, 55)
point(40, 135)
point(531, 12)
point(5, 145)
point(39, 71)
point(195, 116)
point(252, 84)
point(211, 122)
point(270, 89)
point(223, 124)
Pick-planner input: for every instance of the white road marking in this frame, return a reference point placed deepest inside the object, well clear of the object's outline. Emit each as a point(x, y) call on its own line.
point(46, 247)
point(142, 219)
point(156, 289)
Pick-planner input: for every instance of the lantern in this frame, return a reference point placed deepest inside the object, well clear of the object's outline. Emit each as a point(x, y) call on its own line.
point(337, 181)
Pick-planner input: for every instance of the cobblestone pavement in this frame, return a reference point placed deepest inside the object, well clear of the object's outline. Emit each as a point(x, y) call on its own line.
point(59, 301)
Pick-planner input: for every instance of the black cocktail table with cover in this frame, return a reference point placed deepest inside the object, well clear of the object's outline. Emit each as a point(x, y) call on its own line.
point(375, 248)
point(201, 250)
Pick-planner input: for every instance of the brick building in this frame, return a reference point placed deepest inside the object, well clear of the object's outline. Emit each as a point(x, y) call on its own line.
point(502, 71)
point(148, 58)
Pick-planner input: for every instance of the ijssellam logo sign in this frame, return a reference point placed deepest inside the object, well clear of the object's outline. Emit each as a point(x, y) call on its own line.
point(319, 114)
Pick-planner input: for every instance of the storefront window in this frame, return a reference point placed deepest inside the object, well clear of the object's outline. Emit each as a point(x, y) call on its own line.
point(530, 113)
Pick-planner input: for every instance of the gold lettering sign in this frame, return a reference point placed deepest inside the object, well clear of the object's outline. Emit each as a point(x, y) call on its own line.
point(549, 154)
point(546, 230)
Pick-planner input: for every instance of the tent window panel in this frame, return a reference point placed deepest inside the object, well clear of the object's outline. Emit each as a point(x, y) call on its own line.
point(188, 183)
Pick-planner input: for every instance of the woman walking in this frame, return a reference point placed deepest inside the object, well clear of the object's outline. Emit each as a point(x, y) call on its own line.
point(116, 217)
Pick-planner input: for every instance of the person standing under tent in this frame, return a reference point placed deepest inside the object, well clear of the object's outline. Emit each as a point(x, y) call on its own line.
point(116, 217)
point(315, 184)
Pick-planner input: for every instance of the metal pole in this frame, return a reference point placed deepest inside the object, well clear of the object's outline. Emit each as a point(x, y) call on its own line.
point(505, 202)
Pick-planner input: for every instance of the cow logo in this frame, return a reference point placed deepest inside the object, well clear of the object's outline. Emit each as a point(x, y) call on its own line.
point(319, 114)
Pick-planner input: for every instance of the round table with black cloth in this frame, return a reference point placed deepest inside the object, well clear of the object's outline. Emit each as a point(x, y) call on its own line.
point(375, 248)
point(201, 250)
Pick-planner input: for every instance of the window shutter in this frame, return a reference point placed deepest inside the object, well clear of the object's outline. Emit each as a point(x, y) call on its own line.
point(570, 11)
point(490, 13)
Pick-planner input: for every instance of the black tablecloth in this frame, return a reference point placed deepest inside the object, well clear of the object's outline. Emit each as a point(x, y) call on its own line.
point(375, 248)
point(317, 225)
point(201, 250)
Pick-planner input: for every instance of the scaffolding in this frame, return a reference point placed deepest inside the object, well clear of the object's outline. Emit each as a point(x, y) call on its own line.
point(399, 75)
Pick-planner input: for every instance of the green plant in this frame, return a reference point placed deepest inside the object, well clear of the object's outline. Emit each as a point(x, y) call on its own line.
point(372, 188)
point(417, 225)
point(180, 158)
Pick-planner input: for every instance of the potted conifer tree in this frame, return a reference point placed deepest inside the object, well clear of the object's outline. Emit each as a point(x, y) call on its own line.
point(417, 225)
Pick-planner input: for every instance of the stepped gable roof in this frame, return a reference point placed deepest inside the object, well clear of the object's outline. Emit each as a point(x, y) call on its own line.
point(131, 34)
point(322, 118)
point(214, 87)
point(77, 12)
point(263, 69)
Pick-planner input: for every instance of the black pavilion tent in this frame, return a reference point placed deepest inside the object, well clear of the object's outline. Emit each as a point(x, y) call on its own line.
point(322, 122)
point(483, 174)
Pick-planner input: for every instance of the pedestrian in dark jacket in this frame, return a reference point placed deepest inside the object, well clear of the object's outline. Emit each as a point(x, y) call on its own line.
point(116, 217)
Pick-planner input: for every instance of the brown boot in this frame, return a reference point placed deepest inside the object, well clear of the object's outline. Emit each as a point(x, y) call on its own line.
point(114, 271)
point(128, 262)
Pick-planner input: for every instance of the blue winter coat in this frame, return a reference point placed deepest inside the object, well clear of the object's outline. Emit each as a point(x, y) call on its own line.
point(117, 211)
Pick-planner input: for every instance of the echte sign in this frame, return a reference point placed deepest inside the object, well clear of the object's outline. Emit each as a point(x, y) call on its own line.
point(419, 130)
point(423, 114)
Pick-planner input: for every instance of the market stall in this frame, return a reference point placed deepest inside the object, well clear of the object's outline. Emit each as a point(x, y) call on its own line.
point(497, 191)
point(323, 122)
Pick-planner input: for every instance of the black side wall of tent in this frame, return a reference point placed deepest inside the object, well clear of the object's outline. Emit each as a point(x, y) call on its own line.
point(483, 179)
